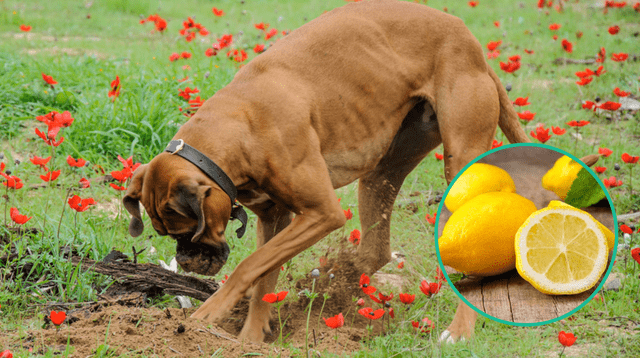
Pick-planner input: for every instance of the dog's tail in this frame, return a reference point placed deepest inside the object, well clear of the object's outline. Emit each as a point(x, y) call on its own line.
point(508, 121)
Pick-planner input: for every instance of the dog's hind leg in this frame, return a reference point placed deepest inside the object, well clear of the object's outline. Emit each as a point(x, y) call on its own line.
point(270, 222)
point(378, 189)
point(468, 112)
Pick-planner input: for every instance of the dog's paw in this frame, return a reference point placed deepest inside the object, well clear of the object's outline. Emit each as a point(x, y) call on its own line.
point(448, 337)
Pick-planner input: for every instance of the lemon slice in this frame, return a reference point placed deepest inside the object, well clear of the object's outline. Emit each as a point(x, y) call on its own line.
point(610, 236)
point(561, 251)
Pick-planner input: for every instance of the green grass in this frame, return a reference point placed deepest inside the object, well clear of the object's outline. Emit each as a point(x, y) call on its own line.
point(84, 48)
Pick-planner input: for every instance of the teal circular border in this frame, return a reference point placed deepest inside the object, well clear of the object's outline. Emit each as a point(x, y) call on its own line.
point(615, 223)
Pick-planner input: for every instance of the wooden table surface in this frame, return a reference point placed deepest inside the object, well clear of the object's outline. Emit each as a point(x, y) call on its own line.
point(508, 296)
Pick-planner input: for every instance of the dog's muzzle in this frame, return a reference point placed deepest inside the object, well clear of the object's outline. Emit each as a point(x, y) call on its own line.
point(200, 258)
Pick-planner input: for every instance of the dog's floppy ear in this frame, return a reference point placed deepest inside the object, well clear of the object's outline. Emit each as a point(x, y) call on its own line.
point(190, 200)
point(132, 199)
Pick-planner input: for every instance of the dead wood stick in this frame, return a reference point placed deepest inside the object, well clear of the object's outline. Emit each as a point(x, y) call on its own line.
point(150, 278)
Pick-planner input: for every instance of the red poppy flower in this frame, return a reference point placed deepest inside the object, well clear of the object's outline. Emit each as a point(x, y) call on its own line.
point(6, 354)
point(348, 214)
point(17, 218)
point(526, 115)
point(496, 23)
point(612, 182)
point(510, 67)
point(79, 163)
point(584, 81)
point(530, 52)
point(57, 318)
point(635, 254)
point(541, 134)
point(185, 55)
point(261, 26)
point(121, 175)
point(224, 41)
point(567, 46)
point(629, 159)
point(364, 285)
point(84, 183)
point(174, 57)
point(128, 163)
point(186, 93)
point(117, 187)
point(589, 105)
point(578, 123)
point(558, 130)
point(554, 37)
point(439, 275)
point(619, 57)
point(217, 12)
point(614, 29)
point(354, 237)
point(586, 73)
point(605, 152)
point(599, 71)
point(335, 321)
point(49, 79)
point(493, 54)
point(625, 229)
point(270, 34)
point(195, 103)
point(554, 27)
point(50, 175)
point(430, 288)
point(522, 101)
point(160, 23)
point(401, 265)
point(12, 181)
point(25, 28)
point(273, 298)
point(439, 156)
point(492, 45)
point(620, 93)
point(431, 218)
point(425, 325)
point(515, 58)
point(259, 48)
point(210, 52)
point(406, 298)
point(496, 144)
point(579, 34)
point(610, 106)
point(42, 162)
point(115, 88)
point(360, 302)
point(78, 204)
point(566, 339)
point(600, 170)
point(601, 55)
point(369, 313)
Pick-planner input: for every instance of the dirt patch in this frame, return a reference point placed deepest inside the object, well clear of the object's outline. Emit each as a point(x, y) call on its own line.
point(124, 330)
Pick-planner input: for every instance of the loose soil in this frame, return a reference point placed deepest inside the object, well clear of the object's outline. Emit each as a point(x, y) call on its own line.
point(133, 330)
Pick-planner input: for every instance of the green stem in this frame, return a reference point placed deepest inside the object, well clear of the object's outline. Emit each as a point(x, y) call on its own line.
point(64, 206)
point(306, 337)
point(280, 322)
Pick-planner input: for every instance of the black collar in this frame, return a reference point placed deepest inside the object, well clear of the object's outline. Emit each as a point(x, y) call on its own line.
point(180, 148)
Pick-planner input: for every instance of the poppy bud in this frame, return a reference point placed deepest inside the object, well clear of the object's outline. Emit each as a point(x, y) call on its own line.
point(387, 304)
point(331, 276)
point(17, 161)
point(616, 166)
point(597, 99)
point(1, 155)
point(315, 273)
point(508, 87)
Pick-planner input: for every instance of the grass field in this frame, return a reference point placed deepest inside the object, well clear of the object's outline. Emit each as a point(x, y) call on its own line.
point(84, 45)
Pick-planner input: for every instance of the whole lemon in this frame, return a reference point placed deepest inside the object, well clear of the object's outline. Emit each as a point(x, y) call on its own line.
point(478, 179)
point(559, 178)
point(610, 236)
point(479, 237)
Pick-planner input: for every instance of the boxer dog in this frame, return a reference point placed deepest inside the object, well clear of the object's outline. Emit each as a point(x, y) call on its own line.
point(363, 92)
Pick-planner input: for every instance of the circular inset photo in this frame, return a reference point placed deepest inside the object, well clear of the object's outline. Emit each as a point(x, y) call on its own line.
point(526, 233)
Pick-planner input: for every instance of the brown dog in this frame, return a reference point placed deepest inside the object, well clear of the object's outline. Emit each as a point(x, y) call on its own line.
point(365, 92)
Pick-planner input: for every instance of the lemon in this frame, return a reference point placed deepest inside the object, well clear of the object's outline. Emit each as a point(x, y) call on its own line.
point(560, 177)
point(610, 236)
point(560, 251)
point(478, 238)
point(478, 179)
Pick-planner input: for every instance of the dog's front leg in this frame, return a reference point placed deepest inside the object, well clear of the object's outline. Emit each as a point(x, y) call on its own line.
point(270, 223)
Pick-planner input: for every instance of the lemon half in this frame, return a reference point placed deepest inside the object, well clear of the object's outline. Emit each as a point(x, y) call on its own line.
point(561, 251)
point(610, 236)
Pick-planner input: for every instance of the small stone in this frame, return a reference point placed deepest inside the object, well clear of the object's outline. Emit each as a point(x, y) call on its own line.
point(613, 282)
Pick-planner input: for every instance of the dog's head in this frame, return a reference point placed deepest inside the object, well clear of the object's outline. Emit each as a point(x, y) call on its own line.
point(184, 203)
